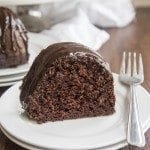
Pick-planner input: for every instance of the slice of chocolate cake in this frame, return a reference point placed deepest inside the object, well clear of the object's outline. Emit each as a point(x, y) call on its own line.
point(68, 81)
point(13, 40)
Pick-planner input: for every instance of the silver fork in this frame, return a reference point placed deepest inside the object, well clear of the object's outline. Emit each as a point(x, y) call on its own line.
point(130, 75)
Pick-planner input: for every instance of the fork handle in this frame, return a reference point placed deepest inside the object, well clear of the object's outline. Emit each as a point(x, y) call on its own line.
point(135, 134)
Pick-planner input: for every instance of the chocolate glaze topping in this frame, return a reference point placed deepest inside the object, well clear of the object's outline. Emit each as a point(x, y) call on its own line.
point(13, 39)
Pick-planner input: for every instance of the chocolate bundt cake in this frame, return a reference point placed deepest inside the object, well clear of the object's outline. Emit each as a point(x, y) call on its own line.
point(67, 81)
point(13, 40)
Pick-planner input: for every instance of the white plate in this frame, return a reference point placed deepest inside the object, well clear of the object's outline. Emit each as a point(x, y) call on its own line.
point(8, 83)
point(89, 133)
point(27, 146)
point(33, 51)
point(24, 2)
point(12, 78)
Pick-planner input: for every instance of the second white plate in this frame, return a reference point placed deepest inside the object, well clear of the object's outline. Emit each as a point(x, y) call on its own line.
point(12, 78)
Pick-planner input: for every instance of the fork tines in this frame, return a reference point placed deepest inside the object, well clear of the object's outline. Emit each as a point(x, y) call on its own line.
point(131, 64)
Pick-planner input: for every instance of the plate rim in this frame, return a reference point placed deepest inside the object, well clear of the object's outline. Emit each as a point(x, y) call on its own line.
point(25, 145)
point(13, 78)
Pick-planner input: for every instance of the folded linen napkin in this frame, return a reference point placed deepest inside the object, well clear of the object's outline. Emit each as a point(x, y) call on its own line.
point(109, 13)
point(77, 29)
point(72, 21)
point(103, 13)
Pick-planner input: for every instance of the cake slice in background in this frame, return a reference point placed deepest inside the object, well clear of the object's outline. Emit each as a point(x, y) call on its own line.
point(68, 81)
point(13, 40)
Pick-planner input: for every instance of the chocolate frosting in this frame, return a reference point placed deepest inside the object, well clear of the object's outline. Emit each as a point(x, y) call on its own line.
point(44, 60)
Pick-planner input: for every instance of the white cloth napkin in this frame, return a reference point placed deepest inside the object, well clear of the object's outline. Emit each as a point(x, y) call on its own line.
point(77, 29)
point(72, 21)
point(103, 13)
point(109, 13)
